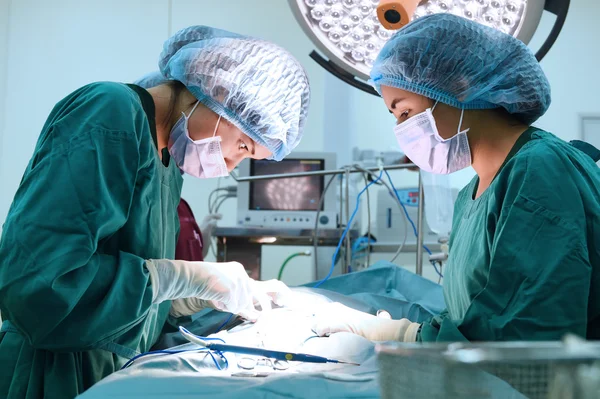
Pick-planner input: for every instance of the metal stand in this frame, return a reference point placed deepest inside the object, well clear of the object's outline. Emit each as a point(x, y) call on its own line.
point(346, 266)
point(419, 265)
point(346, 172)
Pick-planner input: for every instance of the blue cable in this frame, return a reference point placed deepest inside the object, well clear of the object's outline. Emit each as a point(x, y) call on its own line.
point(208, 339)
point(410, 220)
point(170, 352)
point(337, 249)
point(133, 359)
point(359, 251)
point(436, 269)
point(309, 338)
point(357, 244)
point(222, 357)
point(224, 324)
point(201, 337)
point(360, 256)
point(361, 244)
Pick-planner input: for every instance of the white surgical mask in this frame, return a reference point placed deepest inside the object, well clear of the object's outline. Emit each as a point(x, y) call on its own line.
point(419, 139)
point(200, 158)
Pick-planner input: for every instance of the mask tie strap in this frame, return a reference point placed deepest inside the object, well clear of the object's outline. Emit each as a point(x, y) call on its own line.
point(434, 105)
point(462, 113)
point(192, 111)
point(217, 126)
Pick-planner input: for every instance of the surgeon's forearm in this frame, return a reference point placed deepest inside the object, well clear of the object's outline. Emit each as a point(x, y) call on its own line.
point(377, 329)
point(410, 333)
point(402, 330)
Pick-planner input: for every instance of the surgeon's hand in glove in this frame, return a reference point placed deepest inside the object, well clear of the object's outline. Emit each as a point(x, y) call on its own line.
point(335, 317)
point(207, 228)
point(223, 286)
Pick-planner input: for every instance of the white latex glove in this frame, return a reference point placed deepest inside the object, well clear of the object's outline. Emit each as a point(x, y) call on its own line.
point(335, 317)
point(223, 286)
point(207, 228)
point(275, 290)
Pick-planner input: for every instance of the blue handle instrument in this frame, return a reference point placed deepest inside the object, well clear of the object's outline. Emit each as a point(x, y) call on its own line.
point(246, 350)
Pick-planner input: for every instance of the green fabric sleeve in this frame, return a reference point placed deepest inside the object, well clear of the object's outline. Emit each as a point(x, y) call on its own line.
point(440, 329)
point(57, 286)
point(539, 274)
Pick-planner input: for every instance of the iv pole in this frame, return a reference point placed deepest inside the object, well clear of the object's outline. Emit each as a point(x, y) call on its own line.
point(346, 172)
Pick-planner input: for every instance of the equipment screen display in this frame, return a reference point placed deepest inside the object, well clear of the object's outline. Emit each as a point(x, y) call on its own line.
point(294, 194)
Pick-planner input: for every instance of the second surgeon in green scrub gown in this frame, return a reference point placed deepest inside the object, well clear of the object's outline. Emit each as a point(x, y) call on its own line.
point(524, 260)
point(87, 276)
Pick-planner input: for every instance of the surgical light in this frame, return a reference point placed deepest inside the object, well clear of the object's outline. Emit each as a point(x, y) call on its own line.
point(350, 33)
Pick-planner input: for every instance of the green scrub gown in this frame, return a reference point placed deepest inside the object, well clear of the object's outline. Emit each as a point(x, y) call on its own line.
point(525, 256)
point(95, 202)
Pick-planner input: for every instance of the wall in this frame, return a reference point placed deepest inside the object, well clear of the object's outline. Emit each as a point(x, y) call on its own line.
point(4, 12)
point(4, 32)
point(572, 68)
point(56, 47)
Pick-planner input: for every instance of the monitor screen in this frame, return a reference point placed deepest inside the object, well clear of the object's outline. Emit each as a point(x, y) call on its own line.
point(295, 194)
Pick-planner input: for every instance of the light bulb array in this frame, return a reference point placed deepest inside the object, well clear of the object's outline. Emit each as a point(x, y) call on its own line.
point(351, 30)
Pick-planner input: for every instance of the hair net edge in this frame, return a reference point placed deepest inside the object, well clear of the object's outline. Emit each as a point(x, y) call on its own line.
point(219, 109)
point(447, 99)
point(469, 62)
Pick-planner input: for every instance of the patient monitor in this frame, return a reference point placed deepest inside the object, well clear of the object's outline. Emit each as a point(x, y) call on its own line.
point(287, 202)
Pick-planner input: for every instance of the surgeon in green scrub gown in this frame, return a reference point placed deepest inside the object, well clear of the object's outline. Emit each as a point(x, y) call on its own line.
point(524, 259)
point(87, 276)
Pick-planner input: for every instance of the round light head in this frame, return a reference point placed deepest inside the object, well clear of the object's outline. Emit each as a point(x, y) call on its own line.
point(350, 34)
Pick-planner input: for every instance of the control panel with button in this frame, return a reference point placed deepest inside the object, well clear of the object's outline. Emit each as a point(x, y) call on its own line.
point(409, 197)
point(305, 220)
